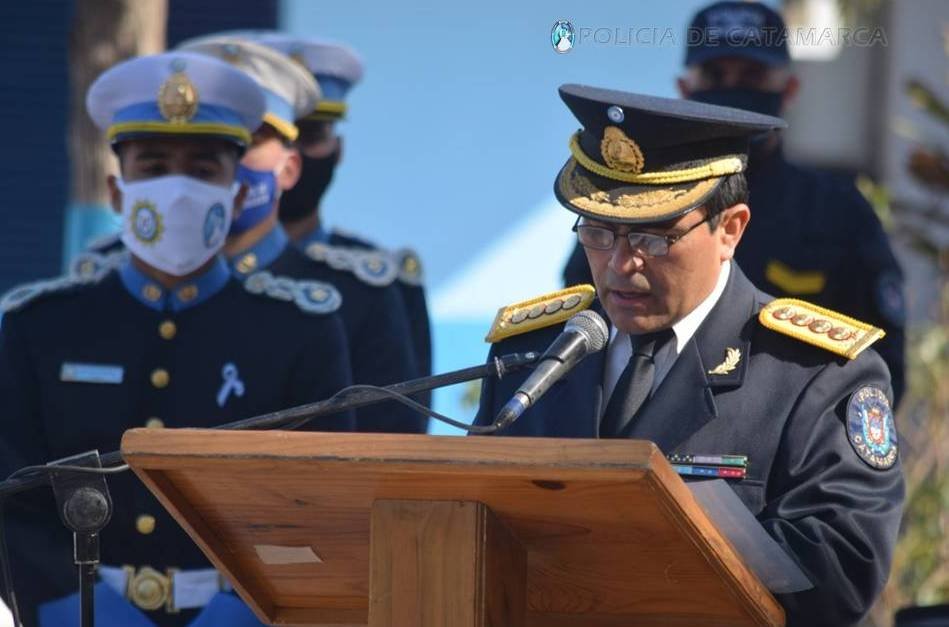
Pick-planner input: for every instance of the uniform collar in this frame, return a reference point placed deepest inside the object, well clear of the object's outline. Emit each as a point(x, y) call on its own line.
point(620, 347)
point(261, 254)
point(319, 235)
point(684, 329)
point(190, 294)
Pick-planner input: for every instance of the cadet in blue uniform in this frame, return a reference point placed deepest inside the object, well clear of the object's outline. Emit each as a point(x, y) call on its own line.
point(813, 236)
point(701, 362)
point(337, 68)
point(372, 309)
point(163, 337)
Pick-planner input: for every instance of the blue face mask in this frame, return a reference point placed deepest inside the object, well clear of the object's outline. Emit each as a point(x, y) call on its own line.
point(259, 203)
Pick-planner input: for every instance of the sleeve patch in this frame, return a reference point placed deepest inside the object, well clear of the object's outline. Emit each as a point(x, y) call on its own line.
point(871, 428)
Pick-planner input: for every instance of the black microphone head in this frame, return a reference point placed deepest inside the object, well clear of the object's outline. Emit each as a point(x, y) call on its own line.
point(590, 325)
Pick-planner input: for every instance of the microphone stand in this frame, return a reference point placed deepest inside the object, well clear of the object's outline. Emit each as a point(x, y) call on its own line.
point(83, 500)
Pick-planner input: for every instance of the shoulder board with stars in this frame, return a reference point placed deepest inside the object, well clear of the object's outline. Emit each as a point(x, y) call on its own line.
point(91, 264)
point(410, 266)
point(821, 327)
point(540, 312)
point(313, 297)
point(371, 267)
point(20, 296)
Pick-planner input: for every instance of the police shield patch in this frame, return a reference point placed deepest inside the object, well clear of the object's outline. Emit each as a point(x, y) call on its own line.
point(870, 427)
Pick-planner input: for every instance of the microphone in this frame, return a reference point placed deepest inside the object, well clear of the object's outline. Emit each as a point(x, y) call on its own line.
point(583, 334)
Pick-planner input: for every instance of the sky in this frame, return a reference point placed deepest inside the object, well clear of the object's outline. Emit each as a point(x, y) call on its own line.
point(457, 131)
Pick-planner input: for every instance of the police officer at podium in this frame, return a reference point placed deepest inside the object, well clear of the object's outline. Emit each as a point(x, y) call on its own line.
point(702, 363)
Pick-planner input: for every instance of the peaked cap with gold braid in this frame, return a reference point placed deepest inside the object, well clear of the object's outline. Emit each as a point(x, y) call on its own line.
point(643, 159)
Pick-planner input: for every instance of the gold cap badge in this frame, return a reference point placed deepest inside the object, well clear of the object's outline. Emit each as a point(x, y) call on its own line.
point(178, 99)
point(620, 152)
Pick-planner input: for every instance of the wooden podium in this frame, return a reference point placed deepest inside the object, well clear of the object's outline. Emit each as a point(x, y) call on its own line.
point(424, 531)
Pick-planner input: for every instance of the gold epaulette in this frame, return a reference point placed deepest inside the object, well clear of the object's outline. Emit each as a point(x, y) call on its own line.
point(539, 312)
point(821, 327)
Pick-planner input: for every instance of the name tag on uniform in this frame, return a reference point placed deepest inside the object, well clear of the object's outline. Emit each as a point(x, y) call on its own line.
point(72, 372)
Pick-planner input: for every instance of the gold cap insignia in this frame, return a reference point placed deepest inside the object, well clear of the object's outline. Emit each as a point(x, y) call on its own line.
point(178, 99)
point(821, 327)
point(540, 312)
point(620, 152)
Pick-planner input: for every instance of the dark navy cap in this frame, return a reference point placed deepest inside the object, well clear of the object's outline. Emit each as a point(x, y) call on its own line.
point(748, 30)
point(642, 159)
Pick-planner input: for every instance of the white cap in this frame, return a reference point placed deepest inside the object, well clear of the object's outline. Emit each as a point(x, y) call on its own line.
point(176, 93)
point(290, 91)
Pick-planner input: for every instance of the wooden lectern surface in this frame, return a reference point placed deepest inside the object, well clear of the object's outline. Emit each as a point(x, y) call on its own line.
point(613, 536)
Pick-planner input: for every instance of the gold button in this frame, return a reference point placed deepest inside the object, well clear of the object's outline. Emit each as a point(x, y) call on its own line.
point(160, 378)
point(154, 423)
point(188, 293)
point(167, 329)
point(151, 292)
point(247, 263)
point(145, 524)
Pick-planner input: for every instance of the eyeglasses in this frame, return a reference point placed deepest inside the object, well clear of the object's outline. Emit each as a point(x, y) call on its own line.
point(646, 244)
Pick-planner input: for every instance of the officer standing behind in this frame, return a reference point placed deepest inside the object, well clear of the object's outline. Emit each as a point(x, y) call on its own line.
point(702, 363)
point(337, 68)
point(372, 309)
point(165, 337)
point(814, 236)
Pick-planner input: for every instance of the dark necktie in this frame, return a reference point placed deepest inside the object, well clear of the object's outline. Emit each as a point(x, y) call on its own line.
point(634, 384)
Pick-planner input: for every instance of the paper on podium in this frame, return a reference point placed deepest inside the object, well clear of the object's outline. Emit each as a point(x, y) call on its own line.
point(761, 553)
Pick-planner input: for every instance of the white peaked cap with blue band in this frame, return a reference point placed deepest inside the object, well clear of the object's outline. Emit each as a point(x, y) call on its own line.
point(290, 91)
point(176, 93)
point(335, 66)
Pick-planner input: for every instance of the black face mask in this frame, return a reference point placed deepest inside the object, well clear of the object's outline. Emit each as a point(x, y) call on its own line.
point(304, 198)
point(765, 102)
point(756, 100)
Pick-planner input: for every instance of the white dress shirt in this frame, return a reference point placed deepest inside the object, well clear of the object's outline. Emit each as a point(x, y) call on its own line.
point(620, 347)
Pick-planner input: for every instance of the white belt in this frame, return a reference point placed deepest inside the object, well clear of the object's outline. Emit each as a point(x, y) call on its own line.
point(174, 590)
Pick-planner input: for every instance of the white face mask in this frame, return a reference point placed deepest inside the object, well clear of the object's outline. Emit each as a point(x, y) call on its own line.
point(175, 223)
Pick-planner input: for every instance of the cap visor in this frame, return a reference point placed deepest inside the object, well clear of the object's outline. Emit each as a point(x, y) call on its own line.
point(596, 197)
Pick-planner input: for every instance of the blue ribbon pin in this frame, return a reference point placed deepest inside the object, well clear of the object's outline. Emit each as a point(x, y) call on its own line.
point(231, 384)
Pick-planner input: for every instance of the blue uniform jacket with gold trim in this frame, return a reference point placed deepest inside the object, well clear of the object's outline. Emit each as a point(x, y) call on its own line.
point(784, 406)
point(376, 326)
point(108, 346)
point(413, 296)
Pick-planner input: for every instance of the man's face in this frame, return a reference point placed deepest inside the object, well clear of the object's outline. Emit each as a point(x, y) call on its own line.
point(645, 294)
point(269, 152)
point(210, 160)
